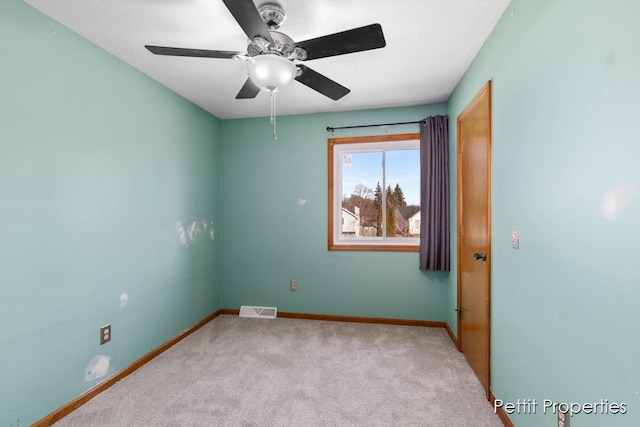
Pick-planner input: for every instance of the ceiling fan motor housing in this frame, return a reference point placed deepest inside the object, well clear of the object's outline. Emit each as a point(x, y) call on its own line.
point(282, 45)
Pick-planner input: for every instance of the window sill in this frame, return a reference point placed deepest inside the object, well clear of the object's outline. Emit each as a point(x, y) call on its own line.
point(366, 247)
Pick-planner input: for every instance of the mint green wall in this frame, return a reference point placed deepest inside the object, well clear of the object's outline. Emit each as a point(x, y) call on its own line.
point(269, 239)
point(97, 165)
point(565, 315)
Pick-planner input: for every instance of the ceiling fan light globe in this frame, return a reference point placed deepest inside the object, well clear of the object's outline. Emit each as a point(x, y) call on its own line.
point(271, 72)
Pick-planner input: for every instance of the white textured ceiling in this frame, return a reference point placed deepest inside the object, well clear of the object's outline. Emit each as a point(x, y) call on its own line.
point(430, 44)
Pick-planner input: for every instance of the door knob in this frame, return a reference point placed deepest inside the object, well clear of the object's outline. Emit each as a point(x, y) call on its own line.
point(480, 256)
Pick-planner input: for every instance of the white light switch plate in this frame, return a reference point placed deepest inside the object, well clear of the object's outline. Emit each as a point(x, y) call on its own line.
point(515, 238)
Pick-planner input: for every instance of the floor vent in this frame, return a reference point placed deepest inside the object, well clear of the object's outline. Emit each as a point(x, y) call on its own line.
point(260, 312)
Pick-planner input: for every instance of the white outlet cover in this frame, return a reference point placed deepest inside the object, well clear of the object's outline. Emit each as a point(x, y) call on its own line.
point(515, 238)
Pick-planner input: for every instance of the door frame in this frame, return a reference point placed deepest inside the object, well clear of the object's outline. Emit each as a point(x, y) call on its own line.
point(485, 90)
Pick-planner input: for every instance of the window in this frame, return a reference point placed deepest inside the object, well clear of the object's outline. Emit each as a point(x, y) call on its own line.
point(374, 193)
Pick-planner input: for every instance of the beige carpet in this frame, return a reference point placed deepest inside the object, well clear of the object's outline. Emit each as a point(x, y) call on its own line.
point(288, 372)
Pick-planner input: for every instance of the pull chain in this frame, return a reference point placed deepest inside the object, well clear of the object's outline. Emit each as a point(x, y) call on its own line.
point(272, 120)
point(271, 101)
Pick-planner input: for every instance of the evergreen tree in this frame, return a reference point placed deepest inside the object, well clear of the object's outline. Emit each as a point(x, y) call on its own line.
point(391, 199)
point(391, 221)
point(377, 200)
point(399, 196)
point(391, 213)
point(394, 198)
point(377, 196)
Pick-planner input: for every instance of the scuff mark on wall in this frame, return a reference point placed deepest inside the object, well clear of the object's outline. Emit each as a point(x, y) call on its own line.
point(182, 233)
point(98, 367)
point(301, 202)
point(615, 199)
point(212, 234)
point(194, 231)
point(611, 59)
point(124, 299)
point(197, 230)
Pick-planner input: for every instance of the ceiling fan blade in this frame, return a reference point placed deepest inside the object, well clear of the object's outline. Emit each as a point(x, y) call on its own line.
point(320, 83)
point(201, 53)
point(248, 17)
point(350, 41)
point(249, 90)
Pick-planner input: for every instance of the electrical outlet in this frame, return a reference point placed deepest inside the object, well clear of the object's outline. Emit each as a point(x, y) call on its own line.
point(105, 334)
point(293, 285)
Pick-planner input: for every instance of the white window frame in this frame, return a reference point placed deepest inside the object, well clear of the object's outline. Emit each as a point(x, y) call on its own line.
point(380, 143)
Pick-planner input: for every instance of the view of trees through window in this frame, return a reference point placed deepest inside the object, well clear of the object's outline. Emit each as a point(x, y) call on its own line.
point(371, 211)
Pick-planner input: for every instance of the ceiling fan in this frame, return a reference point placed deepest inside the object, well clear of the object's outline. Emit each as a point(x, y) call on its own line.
point(271, 54)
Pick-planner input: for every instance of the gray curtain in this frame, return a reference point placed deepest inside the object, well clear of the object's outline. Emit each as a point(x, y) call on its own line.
point(434, 194)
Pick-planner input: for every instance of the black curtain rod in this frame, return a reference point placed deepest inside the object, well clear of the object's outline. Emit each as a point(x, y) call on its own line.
point(331, 129)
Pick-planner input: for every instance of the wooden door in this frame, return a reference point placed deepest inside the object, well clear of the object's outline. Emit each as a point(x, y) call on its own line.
point(474, 233)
